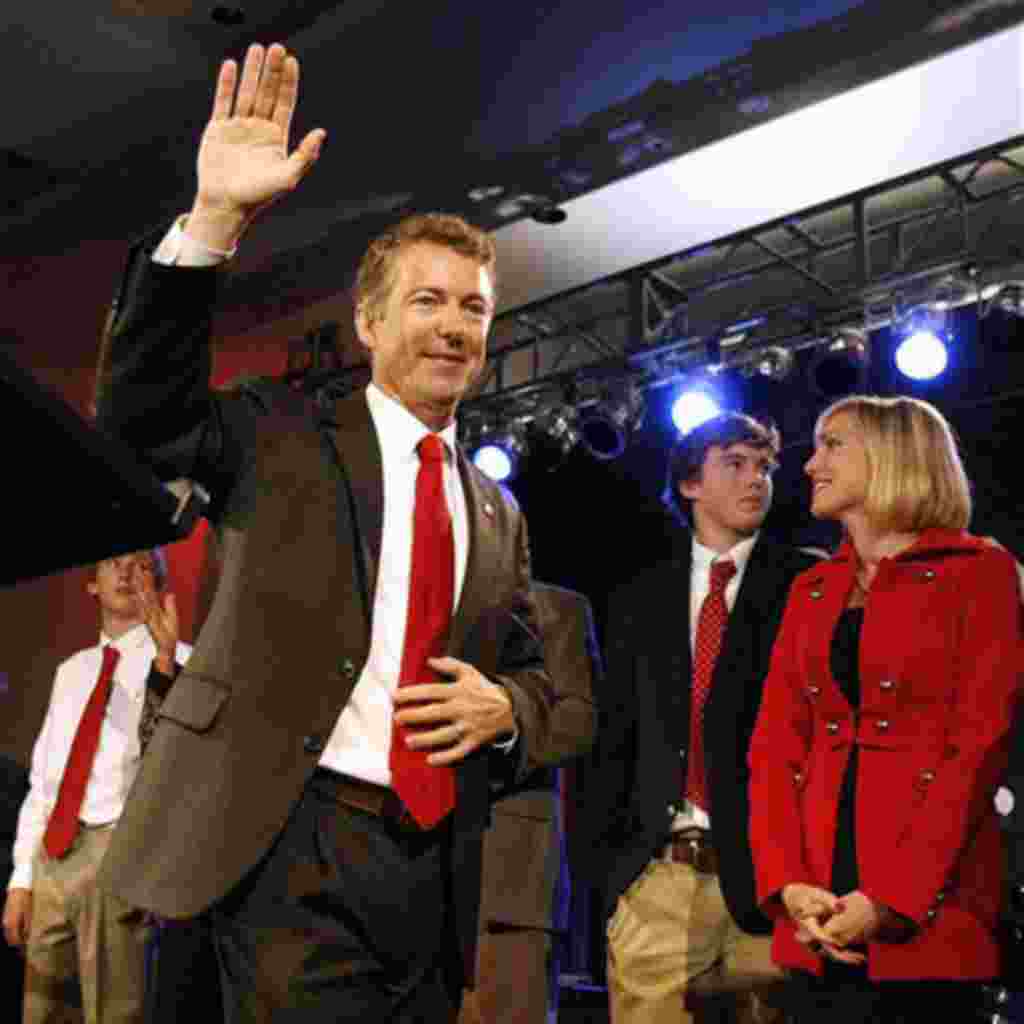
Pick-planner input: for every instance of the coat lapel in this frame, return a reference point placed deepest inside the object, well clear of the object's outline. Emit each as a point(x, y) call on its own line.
point(354, 437)
point(482, 558)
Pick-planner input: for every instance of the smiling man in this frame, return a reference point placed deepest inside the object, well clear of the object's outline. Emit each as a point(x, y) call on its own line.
point(369, 675)
point(687, 652)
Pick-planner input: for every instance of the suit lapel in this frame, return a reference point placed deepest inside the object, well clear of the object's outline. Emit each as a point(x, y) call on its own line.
point(355, 440)
point(481, 559)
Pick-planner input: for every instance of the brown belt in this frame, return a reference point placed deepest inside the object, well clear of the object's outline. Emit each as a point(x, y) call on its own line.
point(693, 847)
point(380, 801)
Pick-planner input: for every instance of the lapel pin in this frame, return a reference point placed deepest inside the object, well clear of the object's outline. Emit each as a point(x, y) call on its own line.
point(488, 510)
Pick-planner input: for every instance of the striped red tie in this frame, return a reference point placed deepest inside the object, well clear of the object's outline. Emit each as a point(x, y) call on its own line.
point(714, 614)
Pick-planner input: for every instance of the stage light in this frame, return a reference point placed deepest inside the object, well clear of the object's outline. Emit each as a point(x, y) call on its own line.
point(841, 365)
point(922, 355)
point(499, 452)
point(493, 460)
point(560, 424)
point(692, 408)
point(606, 426)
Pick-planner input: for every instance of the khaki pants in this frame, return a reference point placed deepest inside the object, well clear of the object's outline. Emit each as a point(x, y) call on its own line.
point(85, 956)
point(673, 949)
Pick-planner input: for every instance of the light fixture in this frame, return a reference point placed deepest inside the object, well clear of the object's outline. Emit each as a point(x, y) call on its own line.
point(921, 353)
point(606, 426)
point(692, 408)
point(499, 451)
point(559, 423)
point(840, 366)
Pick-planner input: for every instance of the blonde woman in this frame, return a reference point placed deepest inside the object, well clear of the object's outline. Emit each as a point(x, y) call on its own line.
point(883, 731)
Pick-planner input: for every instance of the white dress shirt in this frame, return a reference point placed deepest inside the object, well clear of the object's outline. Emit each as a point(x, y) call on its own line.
point(117, 756)
point(700, 583)
point(361, 740)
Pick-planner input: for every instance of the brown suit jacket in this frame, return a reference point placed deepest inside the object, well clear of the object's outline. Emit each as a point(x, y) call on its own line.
point(297, 499)
point(520, 852)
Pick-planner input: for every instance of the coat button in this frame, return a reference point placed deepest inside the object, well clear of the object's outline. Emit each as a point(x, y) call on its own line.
point(816, 594)
point(882, 724)
point(348, 668)
point(932, 914)
point(671, 810)
point(886, 684)
point(814, 690)
point(832, 727)
point(927, 776)
point(798, 777)
point(929, 574)
point(313, 744)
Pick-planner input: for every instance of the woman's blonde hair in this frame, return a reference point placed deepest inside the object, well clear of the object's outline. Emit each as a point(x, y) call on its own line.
point(917, 479)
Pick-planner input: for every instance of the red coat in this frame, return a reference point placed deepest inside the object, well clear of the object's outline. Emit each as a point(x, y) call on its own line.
point(941, 660)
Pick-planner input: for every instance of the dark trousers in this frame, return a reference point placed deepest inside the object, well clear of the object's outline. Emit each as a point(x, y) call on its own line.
point(344, 919)
point(845, 996)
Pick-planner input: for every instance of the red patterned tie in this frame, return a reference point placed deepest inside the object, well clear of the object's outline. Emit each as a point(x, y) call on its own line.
point(62, 827)
point(710, 629)
point(428, 792)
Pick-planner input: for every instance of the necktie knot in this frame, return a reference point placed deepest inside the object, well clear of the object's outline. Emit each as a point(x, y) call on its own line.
point(721, 573)
point(111, 656)
point(431, 448)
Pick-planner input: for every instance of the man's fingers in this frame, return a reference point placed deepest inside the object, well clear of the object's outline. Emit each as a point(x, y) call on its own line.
point(448, 666)
point(270, 82)
point(417, 693)
point(224, 95)
point(287, 95)
point(250, 81)
point(445, 736)
point(306, 154)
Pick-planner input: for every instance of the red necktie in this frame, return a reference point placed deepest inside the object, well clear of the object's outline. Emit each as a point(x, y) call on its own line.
point(62, 827)
point(428, 792)
point(710, 629)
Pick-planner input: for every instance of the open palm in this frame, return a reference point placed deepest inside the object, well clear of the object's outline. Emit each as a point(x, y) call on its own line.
point(244, 163)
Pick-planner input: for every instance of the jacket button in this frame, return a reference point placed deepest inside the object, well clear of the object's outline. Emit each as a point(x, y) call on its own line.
point(816, 595)
point(671, 810)
point(927, 776)
point(832, 727)
point(348, 668)
point(929, 574)
point(932, 914)
point(882, 724)
point(313, 744)
point(814, 690)
point(798, 777)
point(886, 684)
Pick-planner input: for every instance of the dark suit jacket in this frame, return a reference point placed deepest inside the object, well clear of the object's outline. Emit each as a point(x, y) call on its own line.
point(298, 507)
point(520, 852)
point(643, 735)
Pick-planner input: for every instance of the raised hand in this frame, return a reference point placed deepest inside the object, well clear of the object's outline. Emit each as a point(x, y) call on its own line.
point(244, 164)
point(160, 617)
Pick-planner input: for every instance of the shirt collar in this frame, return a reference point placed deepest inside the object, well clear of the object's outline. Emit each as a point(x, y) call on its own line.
point(738, 554)
point(398, 431)
point(136, 637)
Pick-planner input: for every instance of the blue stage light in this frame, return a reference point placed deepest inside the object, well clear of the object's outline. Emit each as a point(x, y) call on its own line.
point(922, 355)
point(691, 409)
point(495, 461)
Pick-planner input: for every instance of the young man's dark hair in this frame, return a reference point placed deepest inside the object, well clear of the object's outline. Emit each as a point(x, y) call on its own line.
point(688, 453)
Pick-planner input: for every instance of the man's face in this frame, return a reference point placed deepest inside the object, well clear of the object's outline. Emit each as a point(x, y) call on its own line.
point(733, 493)
point(429, 342)
point(838, 469)
point(116, 584)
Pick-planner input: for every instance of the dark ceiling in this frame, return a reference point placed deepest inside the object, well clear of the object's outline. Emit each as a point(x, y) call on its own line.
point(538, 102)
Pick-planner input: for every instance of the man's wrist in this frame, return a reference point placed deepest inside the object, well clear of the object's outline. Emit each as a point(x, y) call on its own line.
point(164, 663)
point(216, 228)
